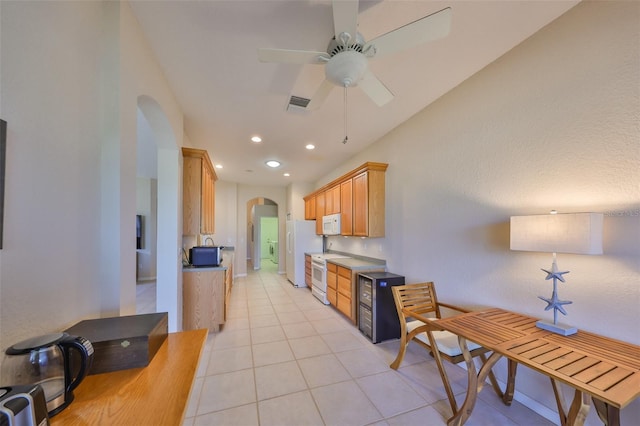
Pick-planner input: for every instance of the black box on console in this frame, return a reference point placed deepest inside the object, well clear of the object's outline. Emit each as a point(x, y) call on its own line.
point(125, 342)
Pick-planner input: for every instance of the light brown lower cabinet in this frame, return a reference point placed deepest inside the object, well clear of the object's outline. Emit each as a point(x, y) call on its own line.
point(204, 297)
point(332, 284)
point(342, 288)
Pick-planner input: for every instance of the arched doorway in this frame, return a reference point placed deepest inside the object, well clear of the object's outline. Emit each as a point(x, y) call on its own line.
point(262, 233)
point(168, 232)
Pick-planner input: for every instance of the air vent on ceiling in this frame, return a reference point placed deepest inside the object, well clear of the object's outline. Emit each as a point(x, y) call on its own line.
point(298, 102)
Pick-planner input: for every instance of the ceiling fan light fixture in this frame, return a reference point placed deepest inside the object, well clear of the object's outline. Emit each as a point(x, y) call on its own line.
point(346, 68)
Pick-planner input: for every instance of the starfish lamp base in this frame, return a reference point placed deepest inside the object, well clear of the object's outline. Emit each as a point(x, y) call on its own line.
point(563, 329)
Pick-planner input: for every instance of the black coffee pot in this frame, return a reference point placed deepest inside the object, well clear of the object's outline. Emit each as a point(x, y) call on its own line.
point(57, 362)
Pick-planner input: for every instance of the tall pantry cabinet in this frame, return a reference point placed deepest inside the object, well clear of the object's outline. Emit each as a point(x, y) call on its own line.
point(198, 192)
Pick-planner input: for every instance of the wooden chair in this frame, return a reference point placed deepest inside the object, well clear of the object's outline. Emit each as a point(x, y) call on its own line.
point(421, 299)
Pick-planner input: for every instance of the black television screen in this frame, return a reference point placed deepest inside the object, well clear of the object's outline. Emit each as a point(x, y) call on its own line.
point(139, 232)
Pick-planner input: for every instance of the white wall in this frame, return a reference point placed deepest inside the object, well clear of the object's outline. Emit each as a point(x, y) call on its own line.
point(72, 77)
point(295, 202)
point(51, 101)
point(553, 124)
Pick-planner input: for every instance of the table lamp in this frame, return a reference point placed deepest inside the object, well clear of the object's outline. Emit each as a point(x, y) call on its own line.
point(576, 233)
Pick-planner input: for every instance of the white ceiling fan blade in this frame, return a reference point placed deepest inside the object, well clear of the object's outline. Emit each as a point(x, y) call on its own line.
point(291, 56)
point(375, 89)
point(321, 95)
point(429, 28)
point(345, 18)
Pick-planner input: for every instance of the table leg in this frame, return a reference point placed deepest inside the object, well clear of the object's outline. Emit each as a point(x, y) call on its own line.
point(609, 414)
point(577, 412)
point(512, 368)
point(475, 383)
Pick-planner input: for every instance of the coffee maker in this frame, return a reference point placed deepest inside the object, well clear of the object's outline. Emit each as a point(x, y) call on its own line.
point(57, 362)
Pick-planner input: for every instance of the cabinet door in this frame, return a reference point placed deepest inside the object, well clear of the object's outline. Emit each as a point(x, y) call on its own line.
point(203, 300)
point(332, 200)
point(332, 283)
point(192, 177)
point(360, 205)
point(228, 283)
point(346, 207)
point(207, 213)
point(319, 212)
point(344, 292)
point(310, 208)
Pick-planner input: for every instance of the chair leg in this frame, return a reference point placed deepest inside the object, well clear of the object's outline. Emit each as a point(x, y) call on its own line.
point(401, 351)
point(404, 341)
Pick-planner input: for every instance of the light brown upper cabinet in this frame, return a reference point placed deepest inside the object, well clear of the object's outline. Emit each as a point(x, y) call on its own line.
point(368, 204)
point(319, 211)
point(346, 207)
point(359, 198)
point(198, 192)
point(310, 208)
point(332, 200)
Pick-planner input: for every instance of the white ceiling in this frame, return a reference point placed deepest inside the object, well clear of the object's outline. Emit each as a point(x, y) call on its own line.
point(208, 51)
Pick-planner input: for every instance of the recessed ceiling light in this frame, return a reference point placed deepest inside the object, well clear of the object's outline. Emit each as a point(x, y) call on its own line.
point(287, 175)
point(256, 139)
point(218, 166)
point(273, 163)
point(310, 146)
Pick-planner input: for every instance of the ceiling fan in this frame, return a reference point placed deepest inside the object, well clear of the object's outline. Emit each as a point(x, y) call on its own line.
point(347, 56)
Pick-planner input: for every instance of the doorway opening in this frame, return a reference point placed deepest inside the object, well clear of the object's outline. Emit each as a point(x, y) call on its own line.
point(146, 216)
point(263, 227)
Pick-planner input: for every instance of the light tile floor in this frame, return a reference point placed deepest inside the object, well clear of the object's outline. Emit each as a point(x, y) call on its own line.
point(283, 358)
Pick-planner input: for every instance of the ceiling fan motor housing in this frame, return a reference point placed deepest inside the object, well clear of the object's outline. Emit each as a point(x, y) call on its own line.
point(345, 42)
point(346, 68)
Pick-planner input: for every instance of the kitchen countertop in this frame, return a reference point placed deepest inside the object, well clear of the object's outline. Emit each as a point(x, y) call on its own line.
point(356, 263)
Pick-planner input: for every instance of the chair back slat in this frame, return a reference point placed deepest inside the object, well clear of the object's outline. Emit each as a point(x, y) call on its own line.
point(420, 298)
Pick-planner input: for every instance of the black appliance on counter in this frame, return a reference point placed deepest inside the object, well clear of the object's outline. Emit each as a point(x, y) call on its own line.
point(377, 315)
point(23, 405)
point(203, 256)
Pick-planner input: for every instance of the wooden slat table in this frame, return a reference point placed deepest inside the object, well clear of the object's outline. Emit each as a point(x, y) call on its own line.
point(607, 370)
point(153, 395)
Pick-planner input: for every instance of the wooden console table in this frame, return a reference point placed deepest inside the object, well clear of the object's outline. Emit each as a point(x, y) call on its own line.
point(597, 367)
point(157, 394)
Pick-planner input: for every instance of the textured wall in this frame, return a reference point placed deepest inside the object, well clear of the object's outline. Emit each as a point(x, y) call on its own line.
point(553, 124)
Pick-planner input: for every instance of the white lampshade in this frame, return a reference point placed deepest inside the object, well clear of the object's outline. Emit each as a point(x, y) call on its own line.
point(578, 233)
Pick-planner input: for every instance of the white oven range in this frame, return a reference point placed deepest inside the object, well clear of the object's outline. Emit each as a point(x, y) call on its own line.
point(319, 274)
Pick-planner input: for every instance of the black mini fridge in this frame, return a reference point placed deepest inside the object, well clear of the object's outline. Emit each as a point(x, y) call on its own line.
point(377, 315)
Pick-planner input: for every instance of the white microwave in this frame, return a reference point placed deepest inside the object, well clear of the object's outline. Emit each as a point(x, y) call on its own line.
point(331, 224)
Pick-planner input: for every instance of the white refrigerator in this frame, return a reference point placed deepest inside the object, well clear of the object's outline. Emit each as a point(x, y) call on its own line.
point(301, 238)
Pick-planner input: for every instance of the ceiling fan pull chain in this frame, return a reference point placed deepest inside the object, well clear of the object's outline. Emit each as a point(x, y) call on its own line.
point(346, 137)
